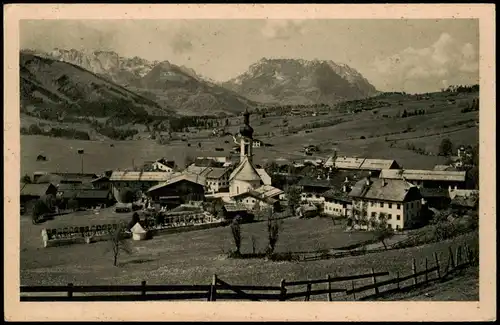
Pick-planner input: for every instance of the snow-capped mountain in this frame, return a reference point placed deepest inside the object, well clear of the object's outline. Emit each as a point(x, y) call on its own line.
point(297, 81)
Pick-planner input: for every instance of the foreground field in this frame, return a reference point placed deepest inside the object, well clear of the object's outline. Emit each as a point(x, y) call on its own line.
point(193, 257)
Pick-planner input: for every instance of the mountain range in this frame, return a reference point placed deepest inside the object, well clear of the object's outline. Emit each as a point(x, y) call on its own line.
point(88, 78)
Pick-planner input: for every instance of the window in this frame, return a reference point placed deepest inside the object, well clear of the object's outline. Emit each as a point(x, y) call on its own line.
point(398, 217)
point(381, 204)
point(389, 225)
point(374, 214)
point(398, 206)
point(372, 203)
point(397, 226)
point(390, 205)
point(389, 216)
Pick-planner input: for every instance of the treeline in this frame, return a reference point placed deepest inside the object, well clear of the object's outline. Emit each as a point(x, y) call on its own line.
point(117, 134)
point(461, 89)
point(314, 125)
point(67, 133)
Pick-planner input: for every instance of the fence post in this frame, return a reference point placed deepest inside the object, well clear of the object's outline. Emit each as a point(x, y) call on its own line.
point(329, 288)
point(374, 280)
point(452, 261)
point(213, 290)
point(414, 270)
point(143, 290)
point(436, 260)
point(426, 274)
point(70, 289)
point(458, 254)
point(308, 297)
point(282, 290)
point(353, 293)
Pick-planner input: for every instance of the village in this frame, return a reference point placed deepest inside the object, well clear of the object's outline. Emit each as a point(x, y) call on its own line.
point(216, 191)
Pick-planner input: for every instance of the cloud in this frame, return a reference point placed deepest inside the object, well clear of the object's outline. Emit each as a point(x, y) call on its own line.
point(446, 61)
point(283, 29)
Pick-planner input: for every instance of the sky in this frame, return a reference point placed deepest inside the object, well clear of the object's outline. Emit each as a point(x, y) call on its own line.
point(394, 55)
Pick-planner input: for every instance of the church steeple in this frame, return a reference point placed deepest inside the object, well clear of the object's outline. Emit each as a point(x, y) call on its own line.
point(246, 142)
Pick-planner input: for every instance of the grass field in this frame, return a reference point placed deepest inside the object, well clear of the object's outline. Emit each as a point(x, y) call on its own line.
point(193, 257)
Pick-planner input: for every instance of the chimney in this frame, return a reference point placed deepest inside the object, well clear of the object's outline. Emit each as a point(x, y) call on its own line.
point(346, 179)
point(384, 182)
point(319, 176)
point(344, 188)
point(368, 181)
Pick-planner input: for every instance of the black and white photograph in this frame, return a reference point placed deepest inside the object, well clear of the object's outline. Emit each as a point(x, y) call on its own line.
point(251, 159)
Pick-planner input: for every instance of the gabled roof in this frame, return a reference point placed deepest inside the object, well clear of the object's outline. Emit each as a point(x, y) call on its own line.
point(182, 177)
point(348, 162)
point(35, 189)
point(207, 172)
point(337, 195)
point(257, 196)
point(245, 171)
point(395, 190)
point(268, 191)
point(165, 162)
point(423, 175)
point(139, 176)
point(378, 164)
point(100, 179)
point(264, 176)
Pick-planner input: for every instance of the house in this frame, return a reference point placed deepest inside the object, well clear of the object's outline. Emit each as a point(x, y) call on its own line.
point(377, 165)
point(437, 198)
point(257, 143)
point(31, 192)
point(464, 200)
point(178, 190)
point(264, 176)
point(87, 197)
point(396, 200)
point(102, 182)
point(138, 180)
point(233, 210)
point(337, 202)
point(255, 201)
point(313, 189)
point(427, 178)
point(213, 161)
point(163, 165)
point(75, 178)
point(217, 178)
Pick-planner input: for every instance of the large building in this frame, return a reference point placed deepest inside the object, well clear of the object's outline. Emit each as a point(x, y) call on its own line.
point(395, 199)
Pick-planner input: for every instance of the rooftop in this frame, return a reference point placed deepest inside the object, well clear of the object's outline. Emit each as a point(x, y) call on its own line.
point(181, 177)
point(396, 190)
point(34, 189)
point(416, 174)
point(245, 172)
point(139, 176)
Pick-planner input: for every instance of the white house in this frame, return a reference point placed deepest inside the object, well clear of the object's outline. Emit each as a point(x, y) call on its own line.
point(163, 165)
point(337, 203)
point(395, 199)
point(217, 178)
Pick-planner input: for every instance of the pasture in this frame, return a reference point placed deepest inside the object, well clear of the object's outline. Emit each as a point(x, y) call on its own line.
point(193, 257)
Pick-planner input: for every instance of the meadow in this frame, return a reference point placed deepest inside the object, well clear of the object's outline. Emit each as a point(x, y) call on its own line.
point(193, 257)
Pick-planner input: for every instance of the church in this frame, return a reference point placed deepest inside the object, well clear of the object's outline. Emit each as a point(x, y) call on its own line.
point(246, 178)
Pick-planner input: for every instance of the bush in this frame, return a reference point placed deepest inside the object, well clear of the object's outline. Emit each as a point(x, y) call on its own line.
point(236, 231)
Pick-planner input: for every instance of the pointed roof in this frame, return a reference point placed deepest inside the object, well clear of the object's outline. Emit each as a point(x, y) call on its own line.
point(137, 229)
point(245, 172)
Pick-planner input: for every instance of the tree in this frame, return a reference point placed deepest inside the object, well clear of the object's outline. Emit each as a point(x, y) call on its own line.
point(405, 114)
point(446, 147)
point(39, 209)
point(293, 198)
point(135, 219)
point(118, 242)
point(274, 226)
point(236, 231)
point(359, 213)
point(382, 231)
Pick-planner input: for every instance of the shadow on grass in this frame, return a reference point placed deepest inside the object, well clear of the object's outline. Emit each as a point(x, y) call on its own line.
point(137, 261)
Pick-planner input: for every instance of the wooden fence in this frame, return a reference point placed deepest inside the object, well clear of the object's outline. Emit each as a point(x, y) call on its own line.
point(221, 290)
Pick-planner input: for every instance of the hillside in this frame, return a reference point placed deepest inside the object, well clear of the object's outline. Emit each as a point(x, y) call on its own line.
point(169, 85)
point(290, 81)
point(50, 87)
